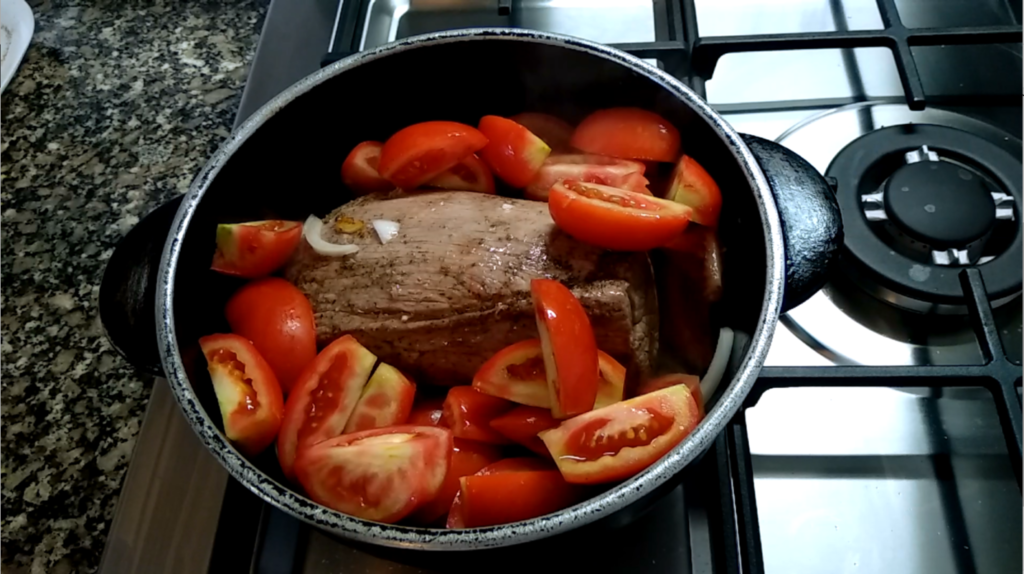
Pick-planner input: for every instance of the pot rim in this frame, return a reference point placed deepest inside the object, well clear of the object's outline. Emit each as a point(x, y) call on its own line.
point(605, 504)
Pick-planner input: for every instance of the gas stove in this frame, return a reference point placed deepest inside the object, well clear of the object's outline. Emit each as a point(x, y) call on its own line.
point(884, 434)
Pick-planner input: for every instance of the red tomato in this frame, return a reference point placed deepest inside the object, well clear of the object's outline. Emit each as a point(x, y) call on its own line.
point(323, 398)
point(255, 249)
point(379, 474)
point(468, 412)
point(569, 349)
point(359, 171)
point(421, 152)
point(693, 187)
point(629, 133)
point(468, 457)
point(620, 440)
point(428, 412)
point(588, 168)
point(455, 517)
point(513, 496)
point(516, 373)
point(470, 174)
point(555, 132)
point(512, 151)
point(522, 424)
point(251, 405)
point(278, 319)
point(386, 401)
point(691, 382)
point(615, 218)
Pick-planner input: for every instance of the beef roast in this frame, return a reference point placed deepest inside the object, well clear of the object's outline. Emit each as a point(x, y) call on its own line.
point(453, 287)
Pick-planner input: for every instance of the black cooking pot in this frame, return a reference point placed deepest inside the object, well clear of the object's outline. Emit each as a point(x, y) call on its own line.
point(780, 227)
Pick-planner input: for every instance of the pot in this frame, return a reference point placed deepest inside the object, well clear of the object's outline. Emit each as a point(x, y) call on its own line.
point(780, 227)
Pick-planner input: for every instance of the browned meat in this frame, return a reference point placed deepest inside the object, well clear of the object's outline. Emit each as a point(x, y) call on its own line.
point(453, 287)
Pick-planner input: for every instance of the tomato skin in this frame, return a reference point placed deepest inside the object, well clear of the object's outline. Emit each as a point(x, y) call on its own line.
point(467, 412)
point(692, 383)
point(380, 474)
point(693, 187)
point(629, 133)
point(512, 151)
point(251, 413)
point(587, 168)
point(524, 464)
point(386, 401)
point(470, 174)
point(570, 351)
point(522, 424)
point(554, 131)
point(328, 390)
point(468, 457)
point(359, 172)
point(612, 443)
point(420, 152)
point(278, 319)
point(615, 219)
point(508, 497)
point(255, 249)
point(428, 412)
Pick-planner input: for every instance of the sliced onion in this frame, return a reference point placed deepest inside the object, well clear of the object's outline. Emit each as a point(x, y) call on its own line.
point(312, 229)
point(709, 384)
point(386, 230)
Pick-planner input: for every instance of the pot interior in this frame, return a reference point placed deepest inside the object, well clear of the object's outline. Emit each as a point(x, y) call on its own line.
point(290, 166)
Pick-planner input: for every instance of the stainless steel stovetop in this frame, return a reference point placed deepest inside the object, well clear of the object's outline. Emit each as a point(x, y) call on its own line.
point(867, 480)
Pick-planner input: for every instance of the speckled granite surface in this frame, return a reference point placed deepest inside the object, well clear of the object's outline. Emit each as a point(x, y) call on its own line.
point(115, 108)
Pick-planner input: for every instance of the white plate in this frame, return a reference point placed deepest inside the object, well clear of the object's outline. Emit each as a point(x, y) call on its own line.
point(16, 26)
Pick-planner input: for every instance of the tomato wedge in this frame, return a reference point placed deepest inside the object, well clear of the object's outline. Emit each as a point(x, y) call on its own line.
point(587, 168)
point(620, 440)
point(455, 516)
point(255, 249)
point(693, 187)
point(522, 424)
point(470, 174)
point(278, 319)
point(421, 152)
point(692, 383)
point(555, 132)
point(512, 151)
point(323, 398)
point(507, 497)
point(428, 412)
point(516, 373)
point(379, 474)
point(249, 397)
point(359, 172)
point(615, 218)
point(569, 349)
point(386, 401)
point(629, 133)
point(468, 457)
point(467, 412)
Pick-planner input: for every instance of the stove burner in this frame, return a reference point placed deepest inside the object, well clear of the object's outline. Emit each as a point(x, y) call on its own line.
point(932, 199)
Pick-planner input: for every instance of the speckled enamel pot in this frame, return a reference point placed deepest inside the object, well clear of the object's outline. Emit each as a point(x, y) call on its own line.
point(284, 160)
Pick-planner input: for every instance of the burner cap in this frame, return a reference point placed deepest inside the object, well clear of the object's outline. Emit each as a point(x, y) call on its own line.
point(940, 204)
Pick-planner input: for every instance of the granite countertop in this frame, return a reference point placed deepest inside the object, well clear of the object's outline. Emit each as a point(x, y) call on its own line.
point(115, 108)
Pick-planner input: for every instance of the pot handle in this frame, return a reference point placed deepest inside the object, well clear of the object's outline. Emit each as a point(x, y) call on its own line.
point(127, 298)
point(812, 225)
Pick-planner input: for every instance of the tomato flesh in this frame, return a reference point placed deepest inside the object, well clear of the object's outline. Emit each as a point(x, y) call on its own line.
point(468, 413)
point(359, 172)
point(587, 168)
point(428, 412)
point(554, 131)
point(456, 519)
point(470, 174)
point(513, 152)
point(522, 424)
point(508, 497)
point(255, 249)
point(615, 219)
point(693, 186)
point(323, 398)
point(618, 441)
point(468, 457)
point(379, 474)
point(278, 319)
point(569, 348)
point(249, 397)
point(692, 383)
point(418, 153)
point(386, 401)
point(629, 133)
